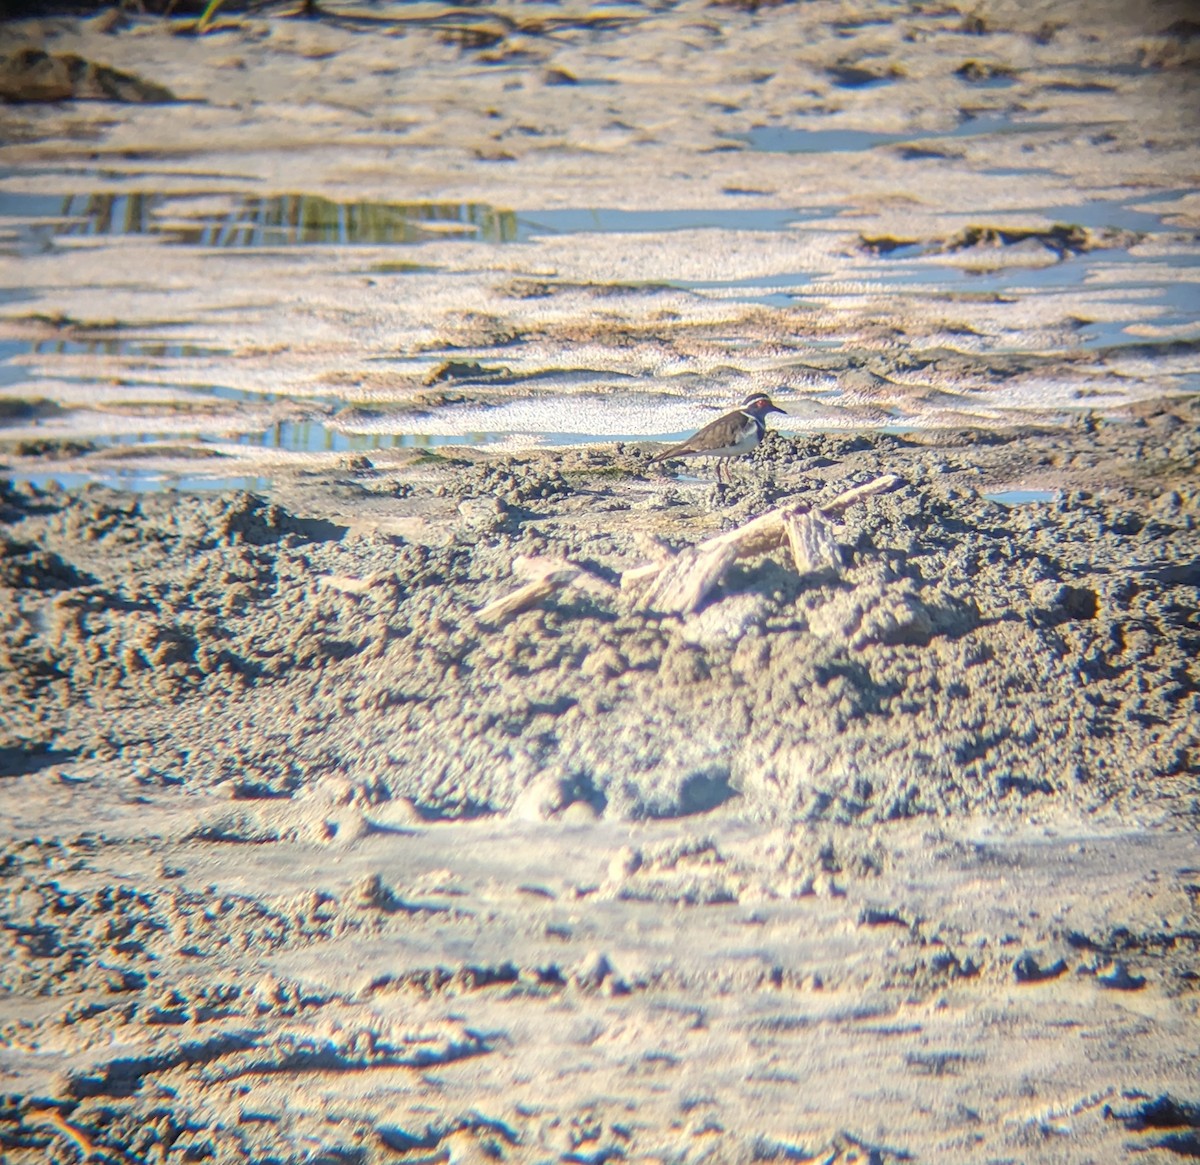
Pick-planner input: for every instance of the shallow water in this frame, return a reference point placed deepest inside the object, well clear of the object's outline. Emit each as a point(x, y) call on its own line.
point(812, 140)
point(317, 437)
point(258, 310)
point(139, 481)
point(1023, 497)
point(1164, 283)
point(246, 222)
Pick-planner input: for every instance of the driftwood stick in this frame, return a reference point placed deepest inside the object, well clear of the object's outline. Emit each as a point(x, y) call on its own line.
point(500, 611)
point(767, 531)
point(859, 493)
point(537, 566)
point(347, 584)
point(637, 574)
point(810, 538)
point(686, 581)
point(763, 533)
point(680, 584)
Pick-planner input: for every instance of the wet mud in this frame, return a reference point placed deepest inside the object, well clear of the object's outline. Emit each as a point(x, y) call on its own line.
point(933, 219)
point(319, 847)
point(459, 823)
point(946, 661)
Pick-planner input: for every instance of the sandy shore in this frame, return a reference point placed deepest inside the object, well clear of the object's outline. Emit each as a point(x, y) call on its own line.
point(887, 856)
point(304, 858)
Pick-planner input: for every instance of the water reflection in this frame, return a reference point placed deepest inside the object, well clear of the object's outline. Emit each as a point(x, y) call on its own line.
point(114, 346)
point(308, 436)
point(247, 221)
point(250, 221)
point(1023, 497)
point(138, 481)
point(600, 220)
point(776, 139)
point(316, 437)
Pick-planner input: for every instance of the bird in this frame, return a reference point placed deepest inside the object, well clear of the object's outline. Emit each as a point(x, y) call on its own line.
point(732, 435)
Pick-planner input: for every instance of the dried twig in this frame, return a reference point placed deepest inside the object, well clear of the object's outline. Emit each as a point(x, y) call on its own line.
point(545, 575)
point(681, 584)
point(685, 582)
point(500, 611)
point(810, 538)
point(537, 566)
point(764, 533)
point(768, 530)
point(637, 574)
point(346, 584)
point(860, 493)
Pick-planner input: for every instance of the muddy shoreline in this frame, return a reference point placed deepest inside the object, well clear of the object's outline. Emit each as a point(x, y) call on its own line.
point(286, 819)
point(371, 616)
point(883, 852)
point(365, 234)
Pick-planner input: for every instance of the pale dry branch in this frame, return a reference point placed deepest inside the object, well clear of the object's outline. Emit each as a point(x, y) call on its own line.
point(347, 584)
point(534, 567)
point(545, 576)
point(686, 581)
point(762, 534)
point(811, 541)
point(681, 584)
point(500, 611)
point(637, 574)
point(860, 493)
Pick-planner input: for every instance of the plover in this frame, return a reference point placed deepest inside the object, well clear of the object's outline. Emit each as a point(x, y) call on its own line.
point(733, 435)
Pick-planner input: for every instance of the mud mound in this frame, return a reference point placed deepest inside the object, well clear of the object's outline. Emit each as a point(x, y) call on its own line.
point(961, 653)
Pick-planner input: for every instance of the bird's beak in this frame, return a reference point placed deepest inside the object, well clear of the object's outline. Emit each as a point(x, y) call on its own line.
point(777, 409)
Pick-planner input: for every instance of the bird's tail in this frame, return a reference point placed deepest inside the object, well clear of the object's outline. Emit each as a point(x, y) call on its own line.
point(672, 452)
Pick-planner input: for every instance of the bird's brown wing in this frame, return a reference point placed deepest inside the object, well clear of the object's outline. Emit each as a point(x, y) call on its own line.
point(718, 434)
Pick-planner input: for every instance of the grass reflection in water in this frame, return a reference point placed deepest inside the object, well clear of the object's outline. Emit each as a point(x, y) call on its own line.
point(282, 220)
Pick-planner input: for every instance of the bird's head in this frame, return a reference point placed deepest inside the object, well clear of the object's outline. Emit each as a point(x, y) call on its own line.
point(758, 404)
